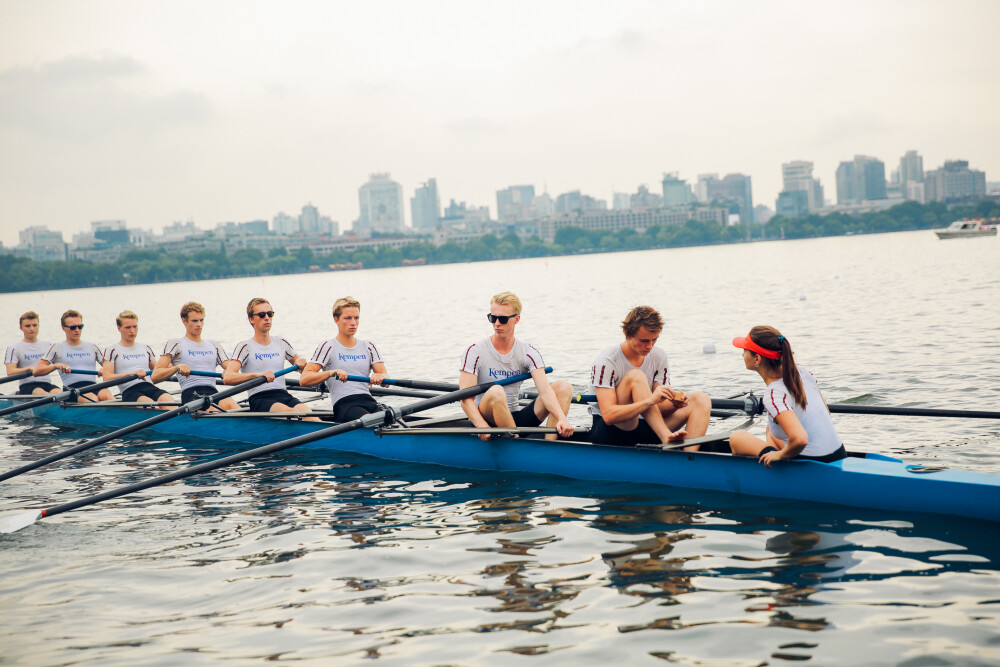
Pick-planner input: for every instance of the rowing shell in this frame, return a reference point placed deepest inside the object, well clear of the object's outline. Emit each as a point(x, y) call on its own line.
point(866, 480)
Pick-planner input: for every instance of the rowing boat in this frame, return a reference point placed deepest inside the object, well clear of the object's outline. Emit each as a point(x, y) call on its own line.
point(866, 480)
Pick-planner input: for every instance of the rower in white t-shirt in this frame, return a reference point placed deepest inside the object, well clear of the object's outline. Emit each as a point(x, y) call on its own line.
point(127, 357)
point(264, 355)
point(191, 352)
point(25, 354)
point(344, 355)
point(501, 356)
point(74, 354)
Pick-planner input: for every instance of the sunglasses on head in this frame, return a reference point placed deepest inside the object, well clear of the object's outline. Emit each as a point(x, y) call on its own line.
point(266, 313)
point(74, 327)
point(502, 318)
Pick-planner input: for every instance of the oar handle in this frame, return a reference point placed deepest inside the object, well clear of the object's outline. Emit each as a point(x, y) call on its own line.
point(15, 376)
point(83, 371)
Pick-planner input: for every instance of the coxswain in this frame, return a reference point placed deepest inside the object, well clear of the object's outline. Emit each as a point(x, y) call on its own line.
point(344, 355)
point(501, 356)
point(798, 421)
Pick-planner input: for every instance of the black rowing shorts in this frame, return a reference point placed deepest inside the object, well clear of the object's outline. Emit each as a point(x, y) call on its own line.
point(147, 389)
point(602, 433)
point(30, 387)
point(262, 401)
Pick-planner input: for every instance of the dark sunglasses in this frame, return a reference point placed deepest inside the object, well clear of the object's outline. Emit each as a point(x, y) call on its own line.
point(73, 327)
point(503, 318)
point(266, 313)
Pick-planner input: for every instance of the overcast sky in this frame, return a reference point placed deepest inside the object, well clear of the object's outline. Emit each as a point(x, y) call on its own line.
point(155, 112)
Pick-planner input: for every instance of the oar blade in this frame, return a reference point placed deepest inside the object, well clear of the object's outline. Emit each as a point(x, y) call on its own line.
point(15, 522)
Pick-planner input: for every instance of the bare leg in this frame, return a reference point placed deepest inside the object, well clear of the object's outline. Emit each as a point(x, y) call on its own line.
point(564, 394)
point(493, 407)
point(694, 414)
point(634, 388)
point(301, 407)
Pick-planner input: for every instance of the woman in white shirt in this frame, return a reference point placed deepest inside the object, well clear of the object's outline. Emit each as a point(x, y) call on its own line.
point(798, 421)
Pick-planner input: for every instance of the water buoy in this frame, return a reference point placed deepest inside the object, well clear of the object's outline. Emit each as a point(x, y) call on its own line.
point(708, 348)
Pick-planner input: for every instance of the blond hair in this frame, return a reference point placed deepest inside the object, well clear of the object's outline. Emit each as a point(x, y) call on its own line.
point(126, 315)
point(507, 299)
point(256, 301)
point(344, 302)
point(68, 314)
point(642, 316)
point(30, 315)
point(191, 307)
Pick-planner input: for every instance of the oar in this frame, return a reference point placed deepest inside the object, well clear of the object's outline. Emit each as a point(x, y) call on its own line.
point(65, 395)
point(199, 403)
point(15, 376)
point(14, 522)
point(754, 405)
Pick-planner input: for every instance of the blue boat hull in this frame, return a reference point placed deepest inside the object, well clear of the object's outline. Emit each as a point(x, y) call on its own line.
point(872, 481)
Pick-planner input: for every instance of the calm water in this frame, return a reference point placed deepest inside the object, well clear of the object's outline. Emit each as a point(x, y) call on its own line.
point(312, 558)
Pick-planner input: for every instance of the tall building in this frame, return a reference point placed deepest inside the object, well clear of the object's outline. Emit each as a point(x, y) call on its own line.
point(285, 225)
point(645, 199)
point(43, 245)
point(621, 201)
point(576, 201)
point(735, 190)
point(381, 200)
point(701, 189)
point(954, 180)
point(797, 176)
point(515, 203)
point(309, 219)
point(543, 205)
point(676, 191)
point(425, 206)
point(861, 180)
point(911, 170)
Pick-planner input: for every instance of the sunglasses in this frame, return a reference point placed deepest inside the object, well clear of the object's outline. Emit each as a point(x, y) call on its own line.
point(266, 313)
point(501, 318)
point(74, 327)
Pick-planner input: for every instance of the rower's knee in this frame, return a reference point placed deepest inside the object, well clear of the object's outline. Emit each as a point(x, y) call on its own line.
point(563, 390)
point(701, 401)
point(493, 396)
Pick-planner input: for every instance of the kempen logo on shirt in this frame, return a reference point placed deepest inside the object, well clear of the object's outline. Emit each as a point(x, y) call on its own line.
point(31, 357)
point(202, 353)
point(351, 357)
point(138, 355)
point(79, 355)
point(259, 356)
point(499, 373)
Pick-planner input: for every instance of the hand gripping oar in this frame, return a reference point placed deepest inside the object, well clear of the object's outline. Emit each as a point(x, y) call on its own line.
point(199, 403)
point(754, 405)
point(15, 376)
point(69, 394)
point(14, 522)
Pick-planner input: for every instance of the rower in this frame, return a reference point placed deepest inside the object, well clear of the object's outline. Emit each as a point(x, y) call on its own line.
point(191, 352)
point(127, 357)
point(24, 355)
point(73, 354)
point(635, 402)
point(798, 421)
point(263, 355)
point(344, 355)
point(501, 356)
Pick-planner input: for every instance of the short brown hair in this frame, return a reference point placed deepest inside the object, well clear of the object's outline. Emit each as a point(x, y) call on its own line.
point(256, 301)
point(30, 315)
point(344, 302)
point(191, 307)
point(642, 316)
point(68, 314)
point(507, 299)
point(126, 315)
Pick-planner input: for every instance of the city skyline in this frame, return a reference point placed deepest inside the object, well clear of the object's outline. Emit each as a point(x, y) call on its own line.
point(213, 114)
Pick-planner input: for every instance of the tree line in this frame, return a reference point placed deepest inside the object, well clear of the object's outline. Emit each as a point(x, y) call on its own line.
point(19, 274)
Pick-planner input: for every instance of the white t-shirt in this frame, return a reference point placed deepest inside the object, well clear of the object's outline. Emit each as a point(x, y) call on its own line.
point(611, 366)
point(357, 360)
point(204, 356)
point(257, 358)
point(84, 356)
point(482, 360)
point(26, 354)
point(137, 357)
point(815, 419)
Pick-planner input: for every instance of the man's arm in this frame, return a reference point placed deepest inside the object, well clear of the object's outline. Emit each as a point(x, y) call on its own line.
point(613, 413)
point(551, 402)
point(466, 380)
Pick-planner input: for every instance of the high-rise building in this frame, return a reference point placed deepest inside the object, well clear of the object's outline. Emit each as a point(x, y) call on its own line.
point(285, 225)
point(425, 206)
point(861, 180)
point(676, 191)
point(515, 203)
point(621, 201)
point(644, 199)
point(309, 219)
point(954, 180)
point(911, 170)
point(797, 176)
point(381, 200)
point(576, 201)
point(701, 189)
point(43, 245)
point(735, 190)
point(543, 205)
